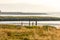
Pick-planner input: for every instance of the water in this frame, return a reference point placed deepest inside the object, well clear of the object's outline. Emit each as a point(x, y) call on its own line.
point(39, 23)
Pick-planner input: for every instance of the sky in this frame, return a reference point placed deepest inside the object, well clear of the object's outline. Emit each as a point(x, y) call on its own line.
point(30, 5)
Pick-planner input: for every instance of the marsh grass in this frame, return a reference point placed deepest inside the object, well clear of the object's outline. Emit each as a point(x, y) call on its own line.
point(16, 32)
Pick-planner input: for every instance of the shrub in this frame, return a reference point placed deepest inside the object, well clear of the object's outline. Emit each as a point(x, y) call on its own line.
point(8, 34)
point(31, 27)
point(26, 39)
point(45, 28)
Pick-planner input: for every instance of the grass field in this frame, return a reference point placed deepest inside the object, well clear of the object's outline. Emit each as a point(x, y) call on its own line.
point(16, 32)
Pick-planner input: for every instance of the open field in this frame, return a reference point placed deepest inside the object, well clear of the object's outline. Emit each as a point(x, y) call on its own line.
point(17, 32)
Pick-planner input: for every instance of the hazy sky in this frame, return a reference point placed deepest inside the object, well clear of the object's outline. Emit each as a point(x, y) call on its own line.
point(30, 5)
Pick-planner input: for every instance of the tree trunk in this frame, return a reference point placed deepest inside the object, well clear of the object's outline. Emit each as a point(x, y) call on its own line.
point(21, 23)
point(29, 22)
point(36, 23)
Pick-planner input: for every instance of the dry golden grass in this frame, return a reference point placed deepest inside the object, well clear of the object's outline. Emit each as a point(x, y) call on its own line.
point(13, 32)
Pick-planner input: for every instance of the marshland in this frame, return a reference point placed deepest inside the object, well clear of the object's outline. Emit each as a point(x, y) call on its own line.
point(46, 30)
point(18, 32)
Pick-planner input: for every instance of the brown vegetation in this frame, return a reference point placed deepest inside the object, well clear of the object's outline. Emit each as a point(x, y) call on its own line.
point(16, 32)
